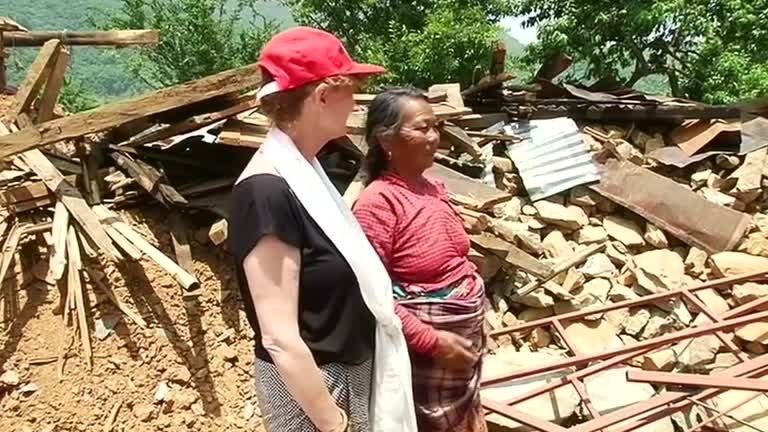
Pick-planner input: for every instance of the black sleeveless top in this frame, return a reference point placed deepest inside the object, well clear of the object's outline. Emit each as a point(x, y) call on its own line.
point(333, 319)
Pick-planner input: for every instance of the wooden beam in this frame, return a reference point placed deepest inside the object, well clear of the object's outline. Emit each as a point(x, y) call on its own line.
point(149, 179)
point(9, 249)
point(120, 113)
point(180, 242)
point(564, 266)
point(186, 280)
point(58, 260)
point(36, 76)
point(242, 104)
point(459, 138)
point(126, 246)
point(53, 88)
point(115, 38)
point(73, 200)
point(74, 283)
point(471, 192)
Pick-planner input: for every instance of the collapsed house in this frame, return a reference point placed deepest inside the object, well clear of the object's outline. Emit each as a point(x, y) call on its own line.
point(623, 236)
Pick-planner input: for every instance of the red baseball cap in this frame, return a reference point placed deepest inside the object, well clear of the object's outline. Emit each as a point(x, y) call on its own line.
point(301, 55)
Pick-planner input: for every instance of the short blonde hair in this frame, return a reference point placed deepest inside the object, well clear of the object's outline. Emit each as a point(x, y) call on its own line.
point(285, 107)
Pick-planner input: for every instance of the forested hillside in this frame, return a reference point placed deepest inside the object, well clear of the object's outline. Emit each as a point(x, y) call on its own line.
point(100, 71)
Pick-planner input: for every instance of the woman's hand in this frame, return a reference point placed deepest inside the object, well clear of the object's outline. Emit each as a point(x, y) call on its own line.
point(454, 351)
point(342, 425)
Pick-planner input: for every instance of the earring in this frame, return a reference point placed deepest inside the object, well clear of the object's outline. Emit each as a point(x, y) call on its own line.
point(389, 155)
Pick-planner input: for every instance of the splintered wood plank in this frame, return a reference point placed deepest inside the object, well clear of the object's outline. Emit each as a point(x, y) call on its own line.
point(186, 280)
point(511, 254)
point(36, 76)
point(126, 246)
point(58, 261)
point(53, 87)
point(74, 283)
point(453, 92)
point(472, 190)
point(9, 249)
point(242, 104)
point(461, 139)
point(73, 200)
point(115, 38)
point(181, 244)
point(120, 113)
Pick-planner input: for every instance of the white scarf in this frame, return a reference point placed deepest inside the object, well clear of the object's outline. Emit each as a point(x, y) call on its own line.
point(392, 406)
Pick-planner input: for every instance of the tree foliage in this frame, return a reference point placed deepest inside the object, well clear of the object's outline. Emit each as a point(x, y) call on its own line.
point(198, 37)
point(75, 97)
point(711, 50)
point(418, 42)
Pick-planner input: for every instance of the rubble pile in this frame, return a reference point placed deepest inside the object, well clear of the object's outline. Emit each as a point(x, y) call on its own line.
point(616, 231)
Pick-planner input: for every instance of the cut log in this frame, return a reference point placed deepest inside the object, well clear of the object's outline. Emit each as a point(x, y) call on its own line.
point(186, 280)
point(115, 38)
point(36, 76)
point(53, 87)
point(511, 254)
point(120, 113)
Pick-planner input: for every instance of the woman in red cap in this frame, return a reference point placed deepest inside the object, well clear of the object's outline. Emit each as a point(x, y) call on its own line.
point(330, 354)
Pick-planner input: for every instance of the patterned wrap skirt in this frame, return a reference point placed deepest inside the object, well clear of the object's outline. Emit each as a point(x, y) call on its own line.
point(449, 400)
point(349, 385)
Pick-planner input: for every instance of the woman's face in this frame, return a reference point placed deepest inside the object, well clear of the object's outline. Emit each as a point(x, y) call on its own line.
point(332, 106)
point(413, 149)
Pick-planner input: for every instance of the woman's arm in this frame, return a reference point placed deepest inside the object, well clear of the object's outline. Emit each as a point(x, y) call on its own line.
point(272, 270)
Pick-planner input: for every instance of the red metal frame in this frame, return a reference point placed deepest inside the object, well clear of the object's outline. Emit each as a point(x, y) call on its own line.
point(651, 408)
point(694, 380)
point(722, 413)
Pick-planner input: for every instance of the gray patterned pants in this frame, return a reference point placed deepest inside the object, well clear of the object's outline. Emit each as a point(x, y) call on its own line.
point(349, 385)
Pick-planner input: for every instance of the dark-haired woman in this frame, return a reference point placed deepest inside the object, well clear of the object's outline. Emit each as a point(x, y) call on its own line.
point(329, 353)
point(421, 241)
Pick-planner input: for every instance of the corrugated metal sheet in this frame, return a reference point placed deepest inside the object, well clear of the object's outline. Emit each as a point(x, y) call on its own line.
point(552, 158)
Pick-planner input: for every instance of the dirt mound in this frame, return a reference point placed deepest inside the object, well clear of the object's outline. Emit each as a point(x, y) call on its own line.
point(188, 370)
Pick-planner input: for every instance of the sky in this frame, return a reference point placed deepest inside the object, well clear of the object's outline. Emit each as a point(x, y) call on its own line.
point(515, 28)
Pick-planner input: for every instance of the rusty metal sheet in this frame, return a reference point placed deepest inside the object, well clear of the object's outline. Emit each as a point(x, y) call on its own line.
point(693, 135)
point(754, 136)
point(672, 207)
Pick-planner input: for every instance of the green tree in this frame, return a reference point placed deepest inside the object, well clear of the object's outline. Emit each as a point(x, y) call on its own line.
point(419, 43)
point(75, 97)
point(711, 50)
point(198, 37)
